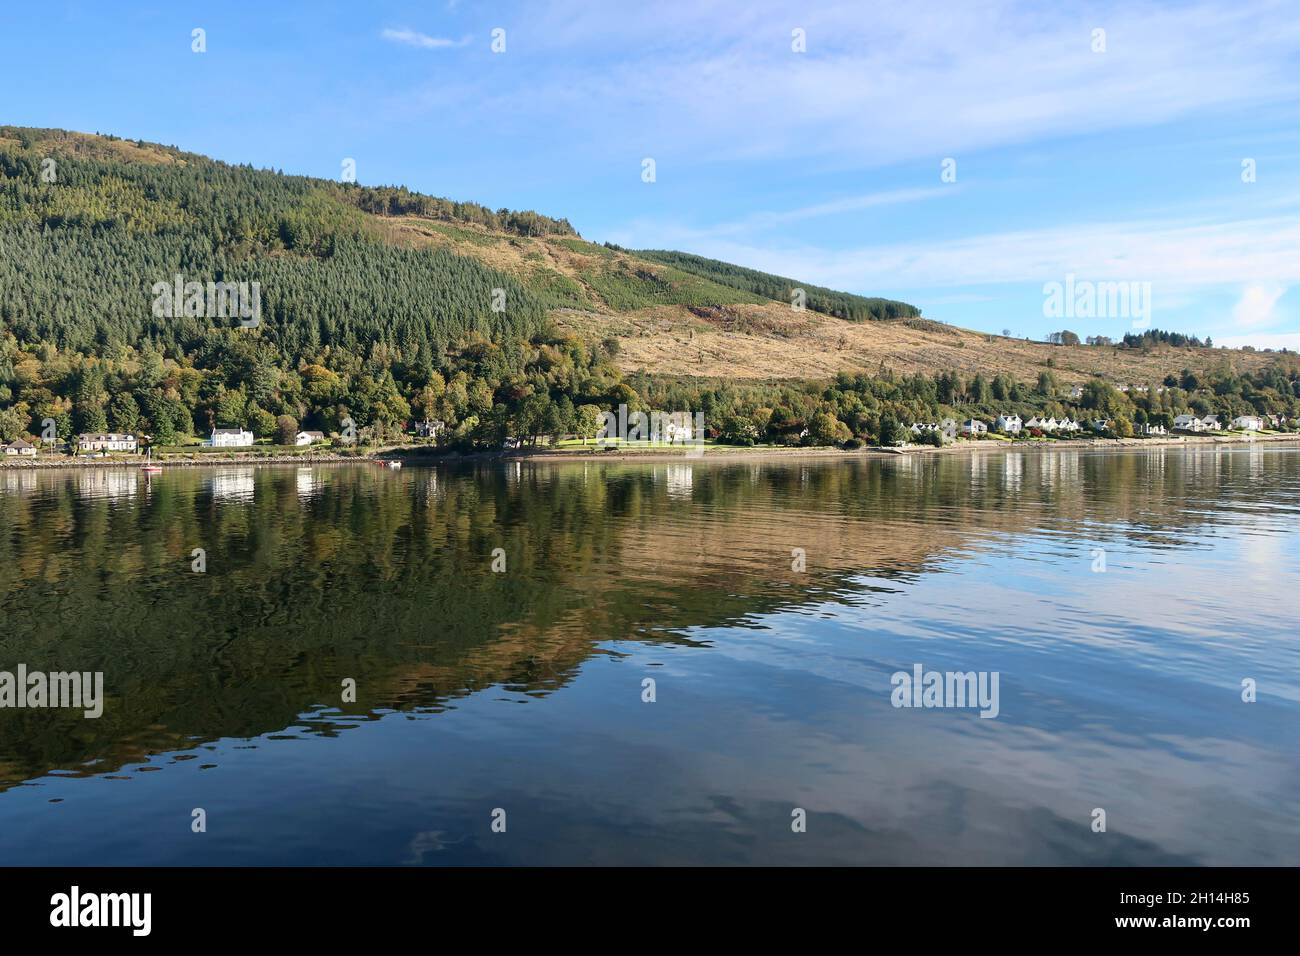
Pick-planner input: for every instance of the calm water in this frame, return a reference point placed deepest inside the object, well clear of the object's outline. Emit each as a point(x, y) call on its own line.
point(523, 690)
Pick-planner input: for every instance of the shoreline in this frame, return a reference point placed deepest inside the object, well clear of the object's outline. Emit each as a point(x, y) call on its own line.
point(417, 455)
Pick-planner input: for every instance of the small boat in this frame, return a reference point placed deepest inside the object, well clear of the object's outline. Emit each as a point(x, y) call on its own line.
point(149, 468)
point(393, 464)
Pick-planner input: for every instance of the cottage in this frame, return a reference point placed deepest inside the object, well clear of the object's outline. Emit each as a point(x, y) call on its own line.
point(1188, 423)
point(1211, 423)
point(1034, 422)
point(1151, 428)
point(20, 448)
point(429, 428)
point(973, 427)
point(1009, 424)
point(1249, 423)
point(1076, 392)
point(1101, 424)
point(677, 428)
point(309, 438)
point(106, 442)
point(231, 438)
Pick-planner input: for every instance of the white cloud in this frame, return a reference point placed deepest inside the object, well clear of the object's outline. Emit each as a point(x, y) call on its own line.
point(423, 41)
point(881, 83)
point(1257, 306)
point(660, 233)
point(1174, 255)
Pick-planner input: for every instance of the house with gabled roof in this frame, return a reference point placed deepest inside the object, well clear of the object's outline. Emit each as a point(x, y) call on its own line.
point(19, 448)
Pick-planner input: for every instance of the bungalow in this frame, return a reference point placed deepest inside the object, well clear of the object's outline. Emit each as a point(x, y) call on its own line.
point(231, 438)
point(107, 442)
point(1009, 424)
point(973, 427)
point(1188, 423)
point(309, 438)
point(1248, 423)
point(20, 447)
point(1211, 423)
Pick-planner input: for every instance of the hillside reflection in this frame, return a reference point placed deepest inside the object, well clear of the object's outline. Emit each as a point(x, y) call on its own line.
point(319, 574)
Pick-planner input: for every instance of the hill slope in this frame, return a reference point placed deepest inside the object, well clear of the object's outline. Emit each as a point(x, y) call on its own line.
point(335, 270)
point(380, 304)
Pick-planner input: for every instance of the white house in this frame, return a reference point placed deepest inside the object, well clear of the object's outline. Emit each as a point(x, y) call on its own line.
point(973, 427)
point(1076, 391)
point(1188, 423)
point(309, 438)
point(1100, 424)
point(430, 428)
point(21, 448)
point(231, 438)
point(1248, 423)
point(677, 427)
point(1068, 425)
point(106, 442)
point(1009, 424)
point(1150, 428)
point(1211, 423)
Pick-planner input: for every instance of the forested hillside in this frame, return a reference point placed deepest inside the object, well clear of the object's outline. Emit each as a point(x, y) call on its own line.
point(842, 305)
point(349, 324)
point(383, 305)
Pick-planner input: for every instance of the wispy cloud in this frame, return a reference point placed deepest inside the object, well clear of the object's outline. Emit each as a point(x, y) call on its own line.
point(423, 41)
point(646, 233)
point(881, 83)
point(1178, 256)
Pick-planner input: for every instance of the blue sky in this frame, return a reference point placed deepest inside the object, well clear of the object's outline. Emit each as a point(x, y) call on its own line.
point(825, 165)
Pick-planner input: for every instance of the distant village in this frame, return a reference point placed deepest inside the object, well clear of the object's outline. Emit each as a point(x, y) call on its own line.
point(946, 430)
point(1012, 425)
